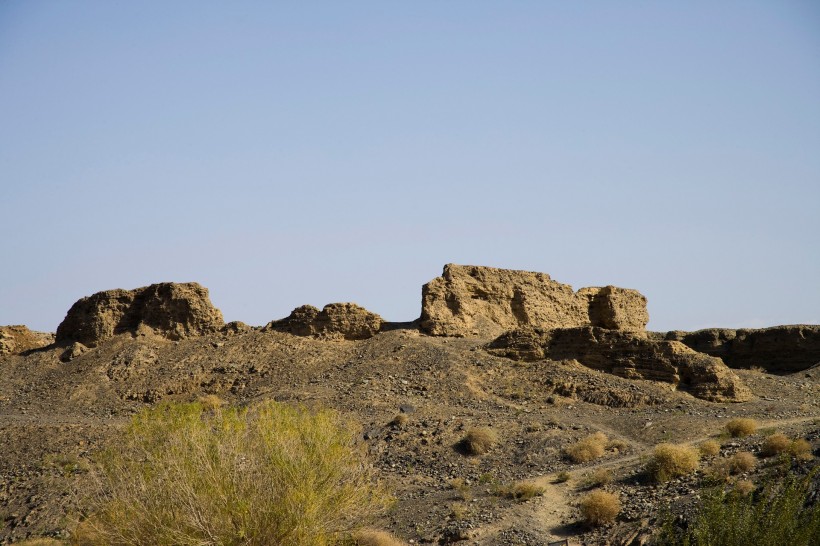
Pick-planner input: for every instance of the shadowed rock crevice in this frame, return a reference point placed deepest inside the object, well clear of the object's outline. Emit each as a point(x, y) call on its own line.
point(630, 355)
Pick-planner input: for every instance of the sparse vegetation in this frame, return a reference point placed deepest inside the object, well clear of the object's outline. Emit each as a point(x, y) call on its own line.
point(672, 460)
point(775, 444)
point(778, 515)
point(744, 488)
point(399, 420)
point(800, 449)
point(269, 474)
point(709, 448)
point(600, 507)
point(742, 462)
point(597, 478)
point(741, 427)
point(461, 488)
point(562, 477)
point(211, 402)
point(587, 449)
point(521, 491)
point(478, 441)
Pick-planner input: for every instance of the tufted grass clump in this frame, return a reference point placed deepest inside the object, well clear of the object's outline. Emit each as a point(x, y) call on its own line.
point(709, 448)
point(740, 427)
point(775, 444)
point(520, 491)
point(191, 474)
point(587, 449)
point(600, 507)
point(742, 461)
point(672, 460)
point(478, 441)
point(375, 537)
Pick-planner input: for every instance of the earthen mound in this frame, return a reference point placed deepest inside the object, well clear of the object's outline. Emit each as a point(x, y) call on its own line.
point(485, 301)
point(335, 321)
point(171, 310)
point(18, 339)
point(777, 349)
point(631, 355)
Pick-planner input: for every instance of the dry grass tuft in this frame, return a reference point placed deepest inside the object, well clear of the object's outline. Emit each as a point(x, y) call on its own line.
point(709, 448)
point(562, 477)
point(376, 537)
point(40, 542)
point(478, 441)
point(587, 449)
point(801, 449)
point(741, 427)
point(600, 507)
point(399, 420)
point(521, 491)
point(672, 460)
point(744, 488)
point(742, 462)
point(597, 478)
point(775, 445)
point(211, 402)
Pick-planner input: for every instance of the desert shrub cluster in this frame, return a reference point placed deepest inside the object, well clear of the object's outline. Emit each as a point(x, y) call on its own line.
point(520, 491)
point(672, 460)
point(587, 449)
point(709, 448)
point(194, 474)
point(778, 514)
point(478, 441)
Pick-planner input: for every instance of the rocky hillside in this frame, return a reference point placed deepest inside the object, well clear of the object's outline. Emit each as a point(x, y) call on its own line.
point(539, 363)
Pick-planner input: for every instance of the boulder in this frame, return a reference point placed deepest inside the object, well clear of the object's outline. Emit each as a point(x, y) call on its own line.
point(777, 349)
point(18, 339)
point(627, 354)
point(171, 310)
point(485, 301)
point(335, 321)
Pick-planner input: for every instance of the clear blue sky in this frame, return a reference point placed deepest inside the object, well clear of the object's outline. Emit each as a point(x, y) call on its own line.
point(314, 152)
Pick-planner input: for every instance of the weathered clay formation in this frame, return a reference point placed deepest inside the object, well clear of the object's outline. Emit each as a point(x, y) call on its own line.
point(776, 349)
point(485, 301)
point(171, 310)
point(335, 321)
point(18, 339)
point(631, 355)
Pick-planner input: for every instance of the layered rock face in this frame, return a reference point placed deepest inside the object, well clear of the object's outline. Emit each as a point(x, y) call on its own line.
point(776, 349)
point(18, 339)
point(631, 355)
point(485, 301)
point(171, 310)
point(334, 321)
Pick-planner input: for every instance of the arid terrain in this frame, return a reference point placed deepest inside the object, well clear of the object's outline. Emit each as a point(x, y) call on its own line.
point(539, 363)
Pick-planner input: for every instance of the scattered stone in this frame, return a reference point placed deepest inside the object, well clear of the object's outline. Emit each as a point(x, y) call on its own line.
point(171, 310)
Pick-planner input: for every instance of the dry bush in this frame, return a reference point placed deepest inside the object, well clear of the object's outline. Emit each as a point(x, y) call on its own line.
point(597, 478)
point(211, 402)
point(521, 491)
point(587, 449)
point(709, 448)
point(775, 444)
point(743, 426)
point(719, 471)
point(459, 511)
point(744, 488)
point(562, 477)
point(478, 441)
point(40, 542)
point(742, 462)
point(600, 507)
point(801, 449)
point(267, 474)
point(375, 537)
point(672, 460)
point(461, 487)
point(399, 420)
point(617, 445)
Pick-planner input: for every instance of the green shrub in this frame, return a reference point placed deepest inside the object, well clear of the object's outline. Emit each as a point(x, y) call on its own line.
point(187, 474)
point(672, 460)
point(778, 515)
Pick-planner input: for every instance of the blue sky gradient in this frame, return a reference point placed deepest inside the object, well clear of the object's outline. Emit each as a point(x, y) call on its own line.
point(344, 151)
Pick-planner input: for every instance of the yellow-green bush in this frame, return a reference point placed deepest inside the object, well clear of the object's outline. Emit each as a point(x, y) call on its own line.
point(775, 444)
point(185, 475)
point(709, 448)
point(742, 462)
point(672, 460)
point(478, 441)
